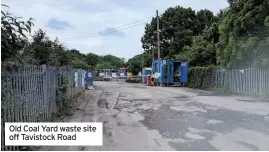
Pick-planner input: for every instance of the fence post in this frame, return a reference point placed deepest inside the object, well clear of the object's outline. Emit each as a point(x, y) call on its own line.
point(44, 82)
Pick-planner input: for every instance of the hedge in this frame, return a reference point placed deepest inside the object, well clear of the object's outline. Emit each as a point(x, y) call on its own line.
point(200, 77)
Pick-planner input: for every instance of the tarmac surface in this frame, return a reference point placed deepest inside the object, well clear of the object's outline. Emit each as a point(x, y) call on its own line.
point(139, 117)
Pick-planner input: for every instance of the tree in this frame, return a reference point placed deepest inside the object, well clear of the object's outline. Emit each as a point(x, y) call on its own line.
point(201, 53)
point(136, 63)
point(42, 50)
point(205, 19)
point(80, 64)
point(77, 60)
point(243, 32)
point(92, 59)
point(178, 26)
point(110, 61)
point(13, 37)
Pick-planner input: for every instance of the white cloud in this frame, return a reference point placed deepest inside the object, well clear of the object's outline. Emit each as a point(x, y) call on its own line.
point(89, 45)
point(93, 16)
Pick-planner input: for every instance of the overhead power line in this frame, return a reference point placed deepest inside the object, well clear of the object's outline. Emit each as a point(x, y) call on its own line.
point(123, 27)
point(105, 33)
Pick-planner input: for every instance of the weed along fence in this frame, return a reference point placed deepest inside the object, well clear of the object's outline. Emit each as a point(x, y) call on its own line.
point(36, 93)
point(250, 81)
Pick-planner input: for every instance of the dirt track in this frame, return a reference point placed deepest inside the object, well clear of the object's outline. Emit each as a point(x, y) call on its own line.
point(137, 117)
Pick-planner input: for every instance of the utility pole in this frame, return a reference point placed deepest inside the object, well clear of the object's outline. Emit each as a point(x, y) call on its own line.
point(152, 52)
point(158, 34)
point(142, 63)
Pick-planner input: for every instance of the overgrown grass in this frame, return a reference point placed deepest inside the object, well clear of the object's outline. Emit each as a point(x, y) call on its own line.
point(225, 90)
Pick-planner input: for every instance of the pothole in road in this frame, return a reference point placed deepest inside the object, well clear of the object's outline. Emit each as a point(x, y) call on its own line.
point(107, 93)
point(89, 114)
point(142, 87)
point(121, 106)
point(122, 95)
point(107, 128)
point(168, 122)
point(102, 103)
point(176, 122)
point(142, 99)
point(80, 109)
point(174, 125)
point(122, 98)
point(181, 97)
point(138, 104)
point(135, 111)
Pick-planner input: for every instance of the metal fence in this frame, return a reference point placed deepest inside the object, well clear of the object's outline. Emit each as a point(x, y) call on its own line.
point(134, 79)
point(251, 81)
point(119, 78)
point(29, 94)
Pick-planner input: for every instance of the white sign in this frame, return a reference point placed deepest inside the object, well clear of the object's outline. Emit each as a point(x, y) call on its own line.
point(164, 62)
point(57, 134)
point(157, 75)
point(114, 74)
point(89, 74)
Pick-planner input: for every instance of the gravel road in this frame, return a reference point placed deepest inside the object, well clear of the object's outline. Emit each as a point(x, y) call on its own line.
point(138, 117)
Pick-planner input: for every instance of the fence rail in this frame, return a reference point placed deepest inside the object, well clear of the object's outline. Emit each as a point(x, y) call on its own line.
point(251, 81)
point(29, 94)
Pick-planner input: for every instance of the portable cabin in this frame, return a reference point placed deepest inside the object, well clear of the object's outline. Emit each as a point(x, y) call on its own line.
point(145, 73)
point(169, 72)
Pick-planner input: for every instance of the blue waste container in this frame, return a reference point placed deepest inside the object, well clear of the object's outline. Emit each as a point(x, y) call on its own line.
point(89, 80)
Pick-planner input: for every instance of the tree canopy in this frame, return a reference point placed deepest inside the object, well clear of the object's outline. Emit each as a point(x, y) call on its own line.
point(244, 34)
point(13, 35)
point(182, 30)
point(236, 36)
point(41, 49)
point(136, 63)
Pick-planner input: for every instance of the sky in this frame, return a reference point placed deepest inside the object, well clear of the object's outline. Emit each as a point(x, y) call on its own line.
point(79, 23)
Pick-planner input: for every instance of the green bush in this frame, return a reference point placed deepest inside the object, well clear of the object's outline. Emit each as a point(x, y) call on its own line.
point(62, 99)
point(200, 77)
